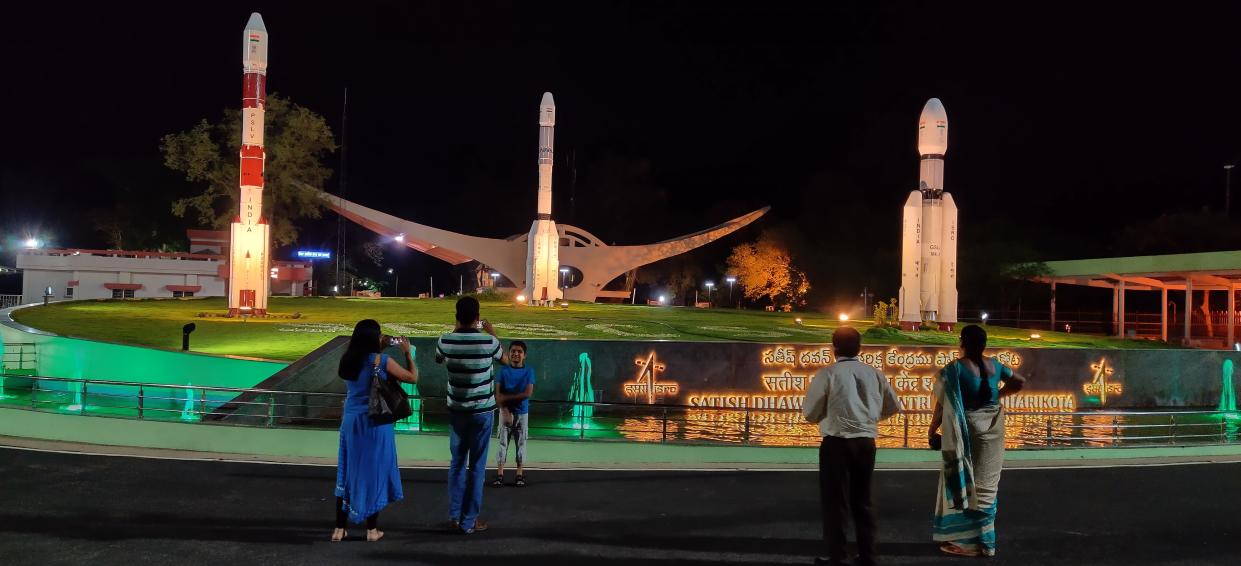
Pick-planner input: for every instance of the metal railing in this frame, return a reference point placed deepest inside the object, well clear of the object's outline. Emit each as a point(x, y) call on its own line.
point(598, 421)
point(19, 358)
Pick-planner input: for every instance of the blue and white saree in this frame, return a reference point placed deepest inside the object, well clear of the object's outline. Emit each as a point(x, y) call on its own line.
point(973, 452)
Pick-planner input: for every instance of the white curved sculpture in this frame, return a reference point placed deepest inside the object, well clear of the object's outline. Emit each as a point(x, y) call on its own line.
point(598, 262)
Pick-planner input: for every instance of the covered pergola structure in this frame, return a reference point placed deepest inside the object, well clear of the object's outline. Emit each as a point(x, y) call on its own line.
point(1178, 273)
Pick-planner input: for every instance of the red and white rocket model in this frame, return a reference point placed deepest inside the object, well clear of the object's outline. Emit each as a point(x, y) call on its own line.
point(543, 243)
point(248, 276)
point(929, 232)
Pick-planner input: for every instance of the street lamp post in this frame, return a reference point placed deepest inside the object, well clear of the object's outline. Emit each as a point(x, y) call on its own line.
point(495, 279)
point(396, 286)
point(710, 291)
point(730, 281)
point(564, 278)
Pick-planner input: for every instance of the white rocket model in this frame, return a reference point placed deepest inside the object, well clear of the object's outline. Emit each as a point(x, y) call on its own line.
point(543, 243)
point(929, 232)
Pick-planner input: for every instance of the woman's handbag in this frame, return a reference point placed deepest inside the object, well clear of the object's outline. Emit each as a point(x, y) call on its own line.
point(388, 401)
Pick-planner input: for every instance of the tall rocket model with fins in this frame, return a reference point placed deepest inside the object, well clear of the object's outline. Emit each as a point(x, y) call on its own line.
point(248, 277)
point(929, 232)
point(543, 243)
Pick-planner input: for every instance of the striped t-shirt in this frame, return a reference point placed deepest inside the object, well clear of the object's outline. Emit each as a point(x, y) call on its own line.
point(468, 356)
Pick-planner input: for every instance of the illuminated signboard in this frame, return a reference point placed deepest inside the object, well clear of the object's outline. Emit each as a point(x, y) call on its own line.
point(788, 370)
point(314, 254)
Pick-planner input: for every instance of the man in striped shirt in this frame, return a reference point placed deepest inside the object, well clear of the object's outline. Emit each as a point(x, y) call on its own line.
point(468, 354)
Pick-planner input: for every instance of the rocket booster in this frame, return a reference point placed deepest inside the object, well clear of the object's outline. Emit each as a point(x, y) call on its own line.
point(929, 248)
point(543, 283)
point(547, 134)
point(250, 234)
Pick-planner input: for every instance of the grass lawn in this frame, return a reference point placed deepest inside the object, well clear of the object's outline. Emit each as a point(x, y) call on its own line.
point(158, 323)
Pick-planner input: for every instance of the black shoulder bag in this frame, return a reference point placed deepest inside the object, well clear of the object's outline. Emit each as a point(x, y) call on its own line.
point(388, 401)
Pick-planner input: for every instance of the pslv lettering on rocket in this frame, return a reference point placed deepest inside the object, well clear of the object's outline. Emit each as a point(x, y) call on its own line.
point(248, 276)
point(543, 242)
point(929, 232)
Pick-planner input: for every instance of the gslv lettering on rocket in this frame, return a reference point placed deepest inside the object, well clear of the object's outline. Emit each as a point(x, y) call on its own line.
point(929, 232)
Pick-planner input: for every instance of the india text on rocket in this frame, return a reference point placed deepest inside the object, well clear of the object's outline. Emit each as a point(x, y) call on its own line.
point(543, 243)
point(248, 278)
point(929, 232)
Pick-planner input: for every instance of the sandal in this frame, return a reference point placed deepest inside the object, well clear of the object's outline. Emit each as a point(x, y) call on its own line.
point(499, 481)
point(339, 535)
point(955, 550)
point(520, 481)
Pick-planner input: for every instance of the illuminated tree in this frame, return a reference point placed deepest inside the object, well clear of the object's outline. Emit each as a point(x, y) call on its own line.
point(765, 270)
point(296, 140)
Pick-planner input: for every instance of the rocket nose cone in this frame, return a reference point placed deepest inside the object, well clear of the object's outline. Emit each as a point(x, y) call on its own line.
point(256, 23)
point(934, 110)
point(933, 129)
point(547, 110)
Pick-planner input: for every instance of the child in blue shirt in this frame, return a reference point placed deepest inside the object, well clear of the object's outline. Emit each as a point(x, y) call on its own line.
point(514, 386)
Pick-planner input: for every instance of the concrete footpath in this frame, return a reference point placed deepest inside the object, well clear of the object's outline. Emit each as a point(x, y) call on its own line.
point(75, 509)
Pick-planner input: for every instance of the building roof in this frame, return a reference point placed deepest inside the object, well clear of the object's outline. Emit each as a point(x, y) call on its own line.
point(1207, 271)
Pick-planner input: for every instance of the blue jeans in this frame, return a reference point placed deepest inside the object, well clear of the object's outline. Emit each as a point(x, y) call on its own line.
point(467, 439)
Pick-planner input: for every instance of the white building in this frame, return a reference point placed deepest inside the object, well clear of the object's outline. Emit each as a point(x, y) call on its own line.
point(118, 274)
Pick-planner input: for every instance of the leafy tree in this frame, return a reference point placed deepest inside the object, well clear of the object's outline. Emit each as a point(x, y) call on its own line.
point(674, 275)
point(765, 270)
point(1023, 273)
point(296, 142)
point(374, 252)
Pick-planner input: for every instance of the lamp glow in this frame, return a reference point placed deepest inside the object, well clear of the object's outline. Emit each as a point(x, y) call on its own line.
point(521, 298)
point(399, 238)
point(32, 243)
point(663, 299)
point(1035, 336)
point(731, 280)
point(844, 317)
point(984, 316)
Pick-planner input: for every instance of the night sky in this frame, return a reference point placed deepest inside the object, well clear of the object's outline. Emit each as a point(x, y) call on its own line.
point(1067, 122)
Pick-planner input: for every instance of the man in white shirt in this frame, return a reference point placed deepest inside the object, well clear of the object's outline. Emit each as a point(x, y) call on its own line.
point(848, 399)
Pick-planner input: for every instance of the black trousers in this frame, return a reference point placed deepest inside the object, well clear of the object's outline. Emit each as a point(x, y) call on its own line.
point(342, 516)
point(845, 469)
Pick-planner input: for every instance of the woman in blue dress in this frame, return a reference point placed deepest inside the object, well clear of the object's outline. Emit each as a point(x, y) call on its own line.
point(367, 478)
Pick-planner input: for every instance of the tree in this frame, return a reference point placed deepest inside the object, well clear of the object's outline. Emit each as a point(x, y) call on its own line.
point(1024, 272)
point(374, 252)
point(765, 270)
point(296, 140)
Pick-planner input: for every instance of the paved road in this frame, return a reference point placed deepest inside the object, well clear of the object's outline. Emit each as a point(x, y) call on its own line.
point(76, 509)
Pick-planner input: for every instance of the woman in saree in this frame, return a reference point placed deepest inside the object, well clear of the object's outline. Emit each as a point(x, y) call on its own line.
point(967, 408)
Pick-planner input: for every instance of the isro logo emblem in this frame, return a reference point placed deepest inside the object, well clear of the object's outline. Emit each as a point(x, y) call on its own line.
point(646, 381)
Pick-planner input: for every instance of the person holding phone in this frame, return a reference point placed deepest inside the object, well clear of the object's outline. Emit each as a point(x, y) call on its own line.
point(367, 478)
point(469, 354)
